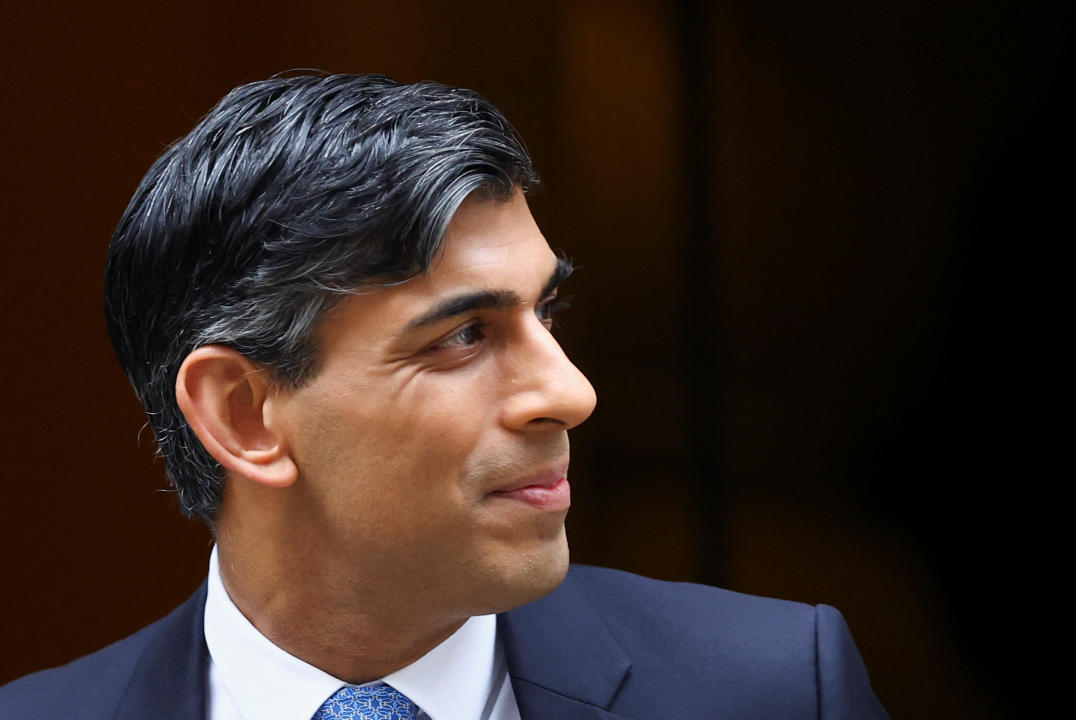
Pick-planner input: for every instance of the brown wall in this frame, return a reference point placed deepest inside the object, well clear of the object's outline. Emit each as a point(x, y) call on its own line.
point(816, 298)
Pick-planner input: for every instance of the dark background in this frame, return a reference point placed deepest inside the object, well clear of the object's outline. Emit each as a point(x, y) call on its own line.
point(820, 298)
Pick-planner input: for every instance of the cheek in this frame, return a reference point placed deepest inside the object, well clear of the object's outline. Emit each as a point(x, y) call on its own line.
point(446, 420)
point(416, 436)
point(424, 440)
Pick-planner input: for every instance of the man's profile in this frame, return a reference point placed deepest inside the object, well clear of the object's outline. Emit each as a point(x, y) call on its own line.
point(336, 308)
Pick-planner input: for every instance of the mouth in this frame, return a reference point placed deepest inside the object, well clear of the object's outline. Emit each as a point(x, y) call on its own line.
point(547, 489)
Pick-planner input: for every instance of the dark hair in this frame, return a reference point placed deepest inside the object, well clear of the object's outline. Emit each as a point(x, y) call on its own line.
point(290, 193)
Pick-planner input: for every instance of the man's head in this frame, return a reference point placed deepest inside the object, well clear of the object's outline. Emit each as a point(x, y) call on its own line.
point(332, 291)
point(290, 193)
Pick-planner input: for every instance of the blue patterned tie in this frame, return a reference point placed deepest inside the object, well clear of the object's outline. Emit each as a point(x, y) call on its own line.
point(371, 702)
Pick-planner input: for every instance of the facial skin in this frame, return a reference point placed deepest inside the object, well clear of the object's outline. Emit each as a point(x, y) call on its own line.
point(420, 415)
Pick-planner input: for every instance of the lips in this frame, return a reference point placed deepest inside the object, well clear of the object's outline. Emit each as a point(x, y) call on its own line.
point(545, 490)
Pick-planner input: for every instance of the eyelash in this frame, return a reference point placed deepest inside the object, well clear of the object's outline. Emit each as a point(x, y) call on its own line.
point(547, 312)
point(464, 337)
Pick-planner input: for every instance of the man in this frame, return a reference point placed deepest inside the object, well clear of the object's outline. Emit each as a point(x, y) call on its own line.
point(335, 306)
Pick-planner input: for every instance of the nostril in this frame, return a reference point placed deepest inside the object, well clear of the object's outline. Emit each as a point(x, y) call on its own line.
point(549, 420)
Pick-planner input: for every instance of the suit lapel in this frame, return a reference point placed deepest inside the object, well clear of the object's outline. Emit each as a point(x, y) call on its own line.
point(562, 659)
point(169, 681)
point(538, 703)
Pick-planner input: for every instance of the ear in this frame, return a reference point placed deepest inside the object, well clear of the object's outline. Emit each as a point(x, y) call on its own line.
point(224, 396)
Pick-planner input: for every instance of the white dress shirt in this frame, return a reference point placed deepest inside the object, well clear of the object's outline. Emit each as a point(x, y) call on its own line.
point(250, 678)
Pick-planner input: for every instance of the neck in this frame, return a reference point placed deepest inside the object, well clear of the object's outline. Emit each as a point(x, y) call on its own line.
point(355, 629)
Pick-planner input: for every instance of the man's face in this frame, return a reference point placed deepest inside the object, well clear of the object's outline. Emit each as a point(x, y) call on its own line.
point(432, 443)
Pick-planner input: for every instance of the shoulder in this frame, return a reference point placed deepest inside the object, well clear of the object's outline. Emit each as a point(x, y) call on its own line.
point(740, 651)
point(626, 590)
point(698, 621)
point(75, 690)
point(93, 686)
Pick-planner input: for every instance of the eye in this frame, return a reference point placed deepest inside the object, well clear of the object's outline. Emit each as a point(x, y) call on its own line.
point(465, 337)
point(548, 309)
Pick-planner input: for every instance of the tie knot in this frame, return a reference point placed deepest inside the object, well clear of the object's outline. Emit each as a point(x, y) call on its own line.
point(371, 702)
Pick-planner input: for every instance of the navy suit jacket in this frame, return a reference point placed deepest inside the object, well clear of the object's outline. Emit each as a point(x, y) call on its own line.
point(605, 645)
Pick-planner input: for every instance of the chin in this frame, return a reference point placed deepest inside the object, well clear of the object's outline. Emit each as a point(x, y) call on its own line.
point(528, 576)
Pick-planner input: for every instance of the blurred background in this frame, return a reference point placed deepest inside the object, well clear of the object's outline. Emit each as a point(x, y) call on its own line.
point(820, 296)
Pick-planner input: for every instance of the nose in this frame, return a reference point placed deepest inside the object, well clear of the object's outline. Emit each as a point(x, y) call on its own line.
point(545, 389)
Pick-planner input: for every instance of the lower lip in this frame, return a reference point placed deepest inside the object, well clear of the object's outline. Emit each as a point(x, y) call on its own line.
point(558, 497)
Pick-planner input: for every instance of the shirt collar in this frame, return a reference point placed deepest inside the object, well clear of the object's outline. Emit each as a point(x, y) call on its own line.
point(453, 681)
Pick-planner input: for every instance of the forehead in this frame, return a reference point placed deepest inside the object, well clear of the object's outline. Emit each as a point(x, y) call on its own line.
point(489, 239)
point(489, 245)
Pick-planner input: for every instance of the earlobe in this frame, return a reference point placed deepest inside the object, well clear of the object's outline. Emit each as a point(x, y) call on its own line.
point(224, 398)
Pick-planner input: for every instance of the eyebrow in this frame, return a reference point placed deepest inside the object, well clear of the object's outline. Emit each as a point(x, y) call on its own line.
point(488, 299)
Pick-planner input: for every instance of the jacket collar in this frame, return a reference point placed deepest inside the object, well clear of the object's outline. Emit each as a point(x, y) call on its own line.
point(562, 659)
